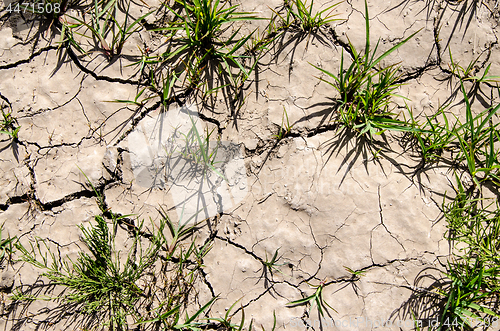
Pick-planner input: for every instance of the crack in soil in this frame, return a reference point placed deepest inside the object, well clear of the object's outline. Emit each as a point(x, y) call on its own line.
point(31, 57)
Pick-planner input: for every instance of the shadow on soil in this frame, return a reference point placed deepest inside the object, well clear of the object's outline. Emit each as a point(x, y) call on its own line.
point(17, 311)
point(425, 305)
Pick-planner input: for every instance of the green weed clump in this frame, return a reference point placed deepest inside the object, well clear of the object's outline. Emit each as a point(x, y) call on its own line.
point(116, 290)
point(366, 89)
point(472, 142)
point(477, 138)
point(295, 16)
point(109, 33)
point(100, 282)
point(197, 149)
point(315, 299)
point(467, 73)
point(300, 15)
point(435, 135)
point(8, 124)
point(474, 270)
point(6, 247)
point(205, 51)
point(151, 286)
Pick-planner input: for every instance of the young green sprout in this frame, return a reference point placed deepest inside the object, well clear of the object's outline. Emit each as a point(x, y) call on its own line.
point(198, 43)
point(355, 273)
point(6, 247)
point(466, 73)
point(104, 23)
point(272, 265)
point(197, 149)
point(366, 90)
point(477, 138)
point(285, 128)
point(7, 124)
point(472, 273)
point(303, 17)
point(315, 299)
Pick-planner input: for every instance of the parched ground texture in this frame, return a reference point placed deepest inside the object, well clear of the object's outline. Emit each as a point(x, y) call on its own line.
point(325, 198)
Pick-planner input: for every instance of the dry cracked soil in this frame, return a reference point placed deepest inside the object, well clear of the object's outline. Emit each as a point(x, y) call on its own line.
point(328, 201)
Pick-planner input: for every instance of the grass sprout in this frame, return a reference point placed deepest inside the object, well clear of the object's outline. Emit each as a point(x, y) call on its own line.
point(435, 135)
point(8, 124)
point(285, 128)
point(99, 281)
point(473, 272)
point(225, 321)
point(190, 322)
point(300, 14)
point(459, 71)
point(104, 23)
point(200, 40)
point(198, 149)
point(366, 90)
point(465, 74)
point(259, 41)
point(136, 99)
point(315, 299)
point(355, 273)
point(299, 17)
point(272, 265)
point(477, 138)
point(6, 247)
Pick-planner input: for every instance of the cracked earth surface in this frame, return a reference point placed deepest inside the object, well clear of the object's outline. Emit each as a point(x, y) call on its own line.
point(320, 196)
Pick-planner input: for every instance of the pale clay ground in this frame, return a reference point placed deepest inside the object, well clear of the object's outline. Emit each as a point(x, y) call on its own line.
point(324, 201)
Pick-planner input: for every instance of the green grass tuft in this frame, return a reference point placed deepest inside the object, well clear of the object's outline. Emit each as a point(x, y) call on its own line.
point(366, 89)
point(203, 42)
point(8, 124)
